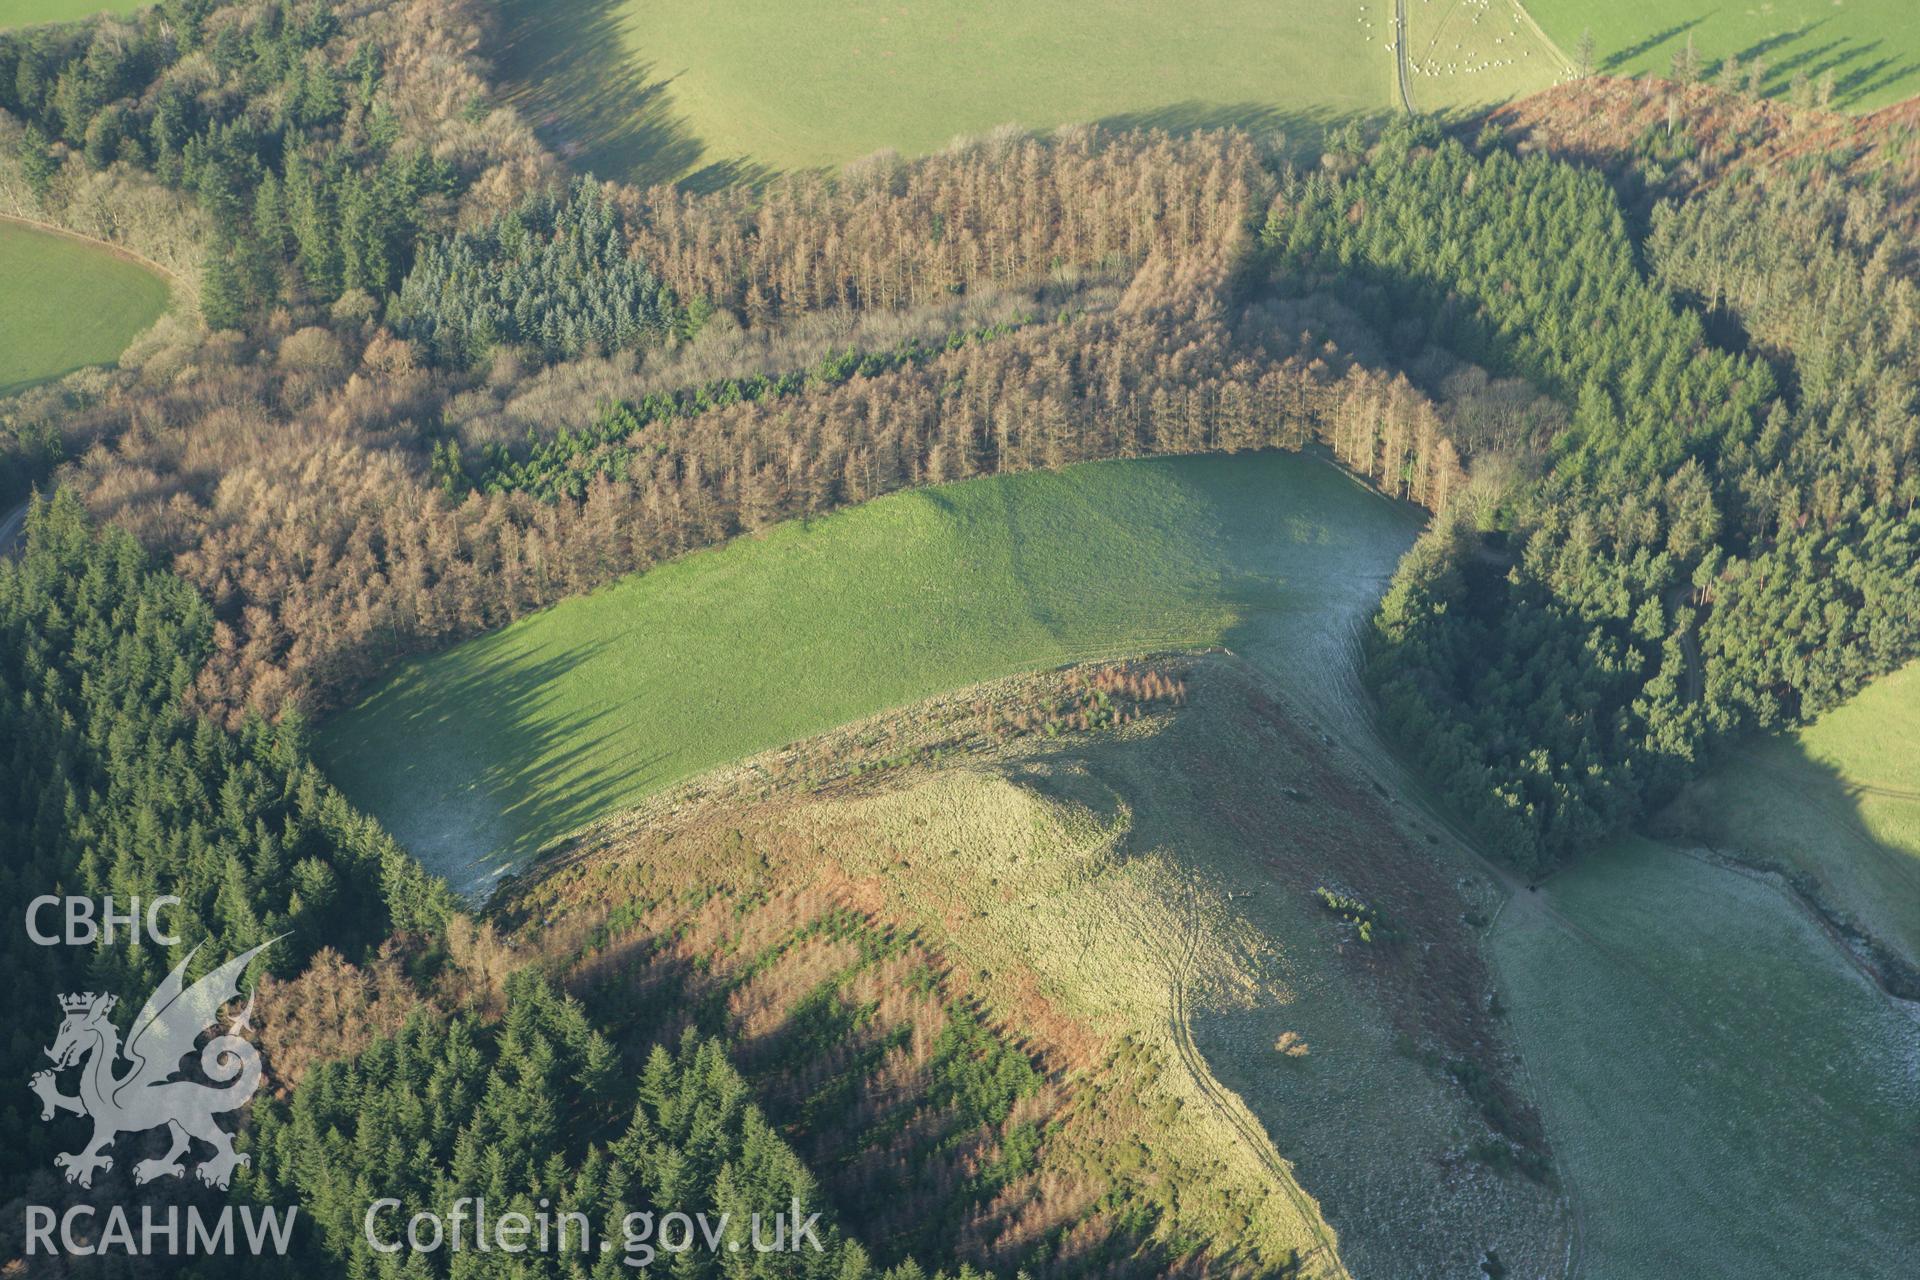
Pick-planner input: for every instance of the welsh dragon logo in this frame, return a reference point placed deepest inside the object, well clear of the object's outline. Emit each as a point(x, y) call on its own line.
point(147, 1096)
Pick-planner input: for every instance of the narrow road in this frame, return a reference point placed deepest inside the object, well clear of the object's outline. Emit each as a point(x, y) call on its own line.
point(11, 526)
point(1676, 599)
point(1400, 53)
point(1229, 1106)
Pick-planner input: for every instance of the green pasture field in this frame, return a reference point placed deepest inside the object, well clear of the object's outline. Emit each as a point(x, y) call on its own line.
point(657, 89)
point(1871, 46)
point(66, 304)
point(1726, 1093)
point(1838, 801)
point(477, 756)
point(1475, 53)
point(29, 13)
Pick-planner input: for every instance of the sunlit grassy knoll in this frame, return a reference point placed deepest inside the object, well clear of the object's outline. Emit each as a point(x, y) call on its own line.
point(477, 756)
point(1727, 1094)
point(66, 304)
point(1141, 900)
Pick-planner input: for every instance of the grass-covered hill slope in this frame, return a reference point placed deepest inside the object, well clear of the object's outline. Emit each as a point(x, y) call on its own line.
point(1726, 1092)
point(66, 304)
point(1120, 870)
point(477, 756)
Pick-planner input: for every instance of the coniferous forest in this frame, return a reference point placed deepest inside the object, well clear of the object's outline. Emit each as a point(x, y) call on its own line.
point(551, 275)
point(1700, 551)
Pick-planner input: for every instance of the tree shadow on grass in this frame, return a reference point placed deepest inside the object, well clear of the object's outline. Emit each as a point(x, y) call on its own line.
point(566, 65)
point(1291, 130)
point(1615, 61)
point(1861, 68)
point(1779, 40)
point(1857, 73)
point(1773, 805)
point(1868, 79)
point(464, 761)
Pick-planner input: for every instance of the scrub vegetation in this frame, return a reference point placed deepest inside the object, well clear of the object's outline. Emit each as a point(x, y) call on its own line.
point(1076, 852)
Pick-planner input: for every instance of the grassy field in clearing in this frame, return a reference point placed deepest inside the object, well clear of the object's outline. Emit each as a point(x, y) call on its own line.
point(659, 89)
point(1837, 801)
point(66, 304)
point(1727, 1095)
point(1871, 46)
point(477, 756)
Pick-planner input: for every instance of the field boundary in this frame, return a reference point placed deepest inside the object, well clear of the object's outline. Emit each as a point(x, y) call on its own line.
point(175, 281)
point(1810, 907)
point(1559, 54)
